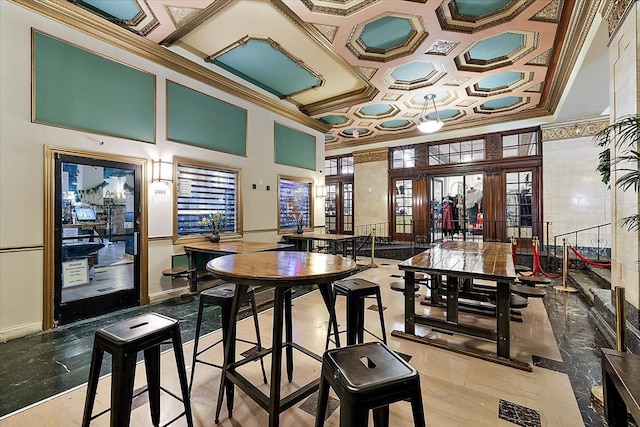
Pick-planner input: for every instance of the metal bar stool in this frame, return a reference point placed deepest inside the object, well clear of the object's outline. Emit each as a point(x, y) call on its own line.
point(123, 340)
point(222, 296)
point(367, 377)
point(356, 291)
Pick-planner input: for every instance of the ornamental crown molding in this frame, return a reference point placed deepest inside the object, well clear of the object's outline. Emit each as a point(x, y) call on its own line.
point(574, 129)
point(374, 155)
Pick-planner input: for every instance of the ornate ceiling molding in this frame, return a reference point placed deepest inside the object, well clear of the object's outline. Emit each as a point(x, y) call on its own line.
point(574, 129)
point(90, 24)
point(368, 156)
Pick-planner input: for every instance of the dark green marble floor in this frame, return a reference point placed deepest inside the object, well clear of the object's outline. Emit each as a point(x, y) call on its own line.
point(48, 363)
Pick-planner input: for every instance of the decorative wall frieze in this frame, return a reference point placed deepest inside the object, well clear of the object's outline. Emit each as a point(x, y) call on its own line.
point(366, 156)
point(614, 12)
point(574, 129)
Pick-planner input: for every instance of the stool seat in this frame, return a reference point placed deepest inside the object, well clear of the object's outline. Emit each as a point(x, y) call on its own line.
point(123, 340)
point(130, 331)
point(533, 279)
point(399, 286)
point(356, 291)
point(173, 272)
point(528, 291)
point(367, 377)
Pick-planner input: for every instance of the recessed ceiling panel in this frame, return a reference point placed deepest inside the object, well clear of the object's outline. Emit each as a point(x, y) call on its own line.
point(283, 74)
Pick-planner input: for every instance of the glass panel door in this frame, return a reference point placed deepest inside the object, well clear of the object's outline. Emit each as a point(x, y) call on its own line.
point(347, 208)
point(403, 206)
point(330, 205)
point(456, 208)
point(519, 204)
point(97, 222)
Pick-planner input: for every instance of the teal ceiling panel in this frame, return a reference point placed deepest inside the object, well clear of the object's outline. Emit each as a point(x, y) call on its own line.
point(386, 33)
point(394, 124)
point(412, 71)
point(479, 8)
point(500, 80)
point(268, 67)
point(496, 46)
point(376, 109)
point(124, 10)
point(334, 119)
point(495, 104)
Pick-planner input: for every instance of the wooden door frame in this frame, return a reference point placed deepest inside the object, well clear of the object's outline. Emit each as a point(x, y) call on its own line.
point(50, 153)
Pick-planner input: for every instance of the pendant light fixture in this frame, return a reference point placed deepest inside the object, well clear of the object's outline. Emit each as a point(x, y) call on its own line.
point(426, 124)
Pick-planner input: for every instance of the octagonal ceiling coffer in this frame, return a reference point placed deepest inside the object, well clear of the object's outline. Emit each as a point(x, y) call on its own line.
point(500, 83)
point(471, 16)
point(413, 75)
point(386, 37)
point(497, 51)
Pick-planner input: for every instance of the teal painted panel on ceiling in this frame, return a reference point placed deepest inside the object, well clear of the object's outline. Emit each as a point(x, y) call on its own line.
point(198, 119)
point(81, 90)
point(295, 148)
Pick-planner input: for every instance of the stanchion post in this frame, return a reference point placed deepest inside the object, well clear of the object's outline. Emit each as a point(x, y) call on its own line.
point(372, 264)
point(621, 320)
point(597, 394)
point(565, 269)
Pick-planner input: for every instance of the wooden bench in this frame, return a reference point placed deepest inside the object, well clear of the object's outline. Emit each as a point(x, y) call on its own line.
point(621, 386)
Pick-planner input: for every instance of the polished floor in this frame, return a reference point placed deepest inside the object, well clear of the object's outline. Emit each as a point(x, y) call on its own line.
point(42, 377)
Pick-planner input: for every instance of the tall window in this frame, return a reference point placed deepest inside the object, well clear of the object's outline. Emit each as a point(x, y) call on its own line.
point(346, 165)
point(203, 189)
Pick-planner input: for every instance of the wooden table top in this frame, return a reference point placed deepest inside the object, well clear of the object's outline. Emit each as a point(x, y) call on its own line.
point(318, 236)
point(235, 246)
point(487, 260)
point(285, 268)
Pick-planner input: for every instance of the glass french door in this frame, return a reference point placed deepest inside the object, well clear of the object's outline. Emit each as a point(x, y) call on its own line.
point(338, 208)
point(456, 207)
point(97, 220)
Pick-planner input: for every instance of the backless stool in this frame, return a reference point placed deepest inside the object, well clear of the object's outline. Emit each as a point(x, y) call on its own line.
point(368, 376)
point(357, 291)
point(123, 340)
point(222, 296)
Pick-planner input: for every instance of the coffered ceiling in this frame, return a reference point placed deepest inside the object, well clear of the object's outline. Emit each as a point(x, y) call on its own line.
point(364, 67)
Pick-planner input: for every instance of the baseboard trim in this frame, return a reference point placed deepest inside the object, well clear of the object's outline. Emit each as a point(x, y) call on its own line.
point(168, 294)
point(20, 331)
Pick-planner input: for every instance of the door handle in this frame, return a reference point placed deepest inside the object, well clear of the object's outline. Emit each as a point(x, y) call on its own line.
point(136, 236)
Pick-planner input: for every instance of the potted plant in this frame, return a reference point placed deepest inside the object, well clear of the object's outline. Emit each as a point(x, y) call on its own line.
point(300, 222)
point(623, 135)
point(215, 222)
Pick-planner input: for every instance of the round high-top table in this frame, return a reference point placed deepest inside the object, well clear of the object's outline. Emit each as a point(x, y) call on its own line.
point(282, 271)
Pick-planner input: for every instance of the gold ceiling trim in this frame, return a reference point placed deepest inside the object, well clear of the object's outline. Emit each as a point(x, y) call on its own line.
point(574, 129)
point(328, 31)
point(581, 18)
point(550, 13)
point(181, 16)
point(88, 23)
point(483, 121)
point(615, 11)
point(368, 156)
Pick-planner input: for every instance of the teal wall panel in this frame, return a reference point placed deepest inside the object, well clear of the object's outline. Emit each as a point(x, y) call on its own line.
point(294, 148)
point(198, 119)
point(78, 89)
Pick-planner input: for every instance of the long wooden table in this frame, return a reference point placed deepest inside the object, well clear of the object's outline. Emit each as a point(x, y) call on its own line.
point(459, 261)
point(332, 239)
point(282, 271)
point(224, 248)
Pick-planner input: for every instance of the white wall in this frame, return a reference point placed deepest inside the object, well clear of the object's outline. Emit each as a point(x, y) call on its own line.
point(21, 167)
point(624, 96)
point(574, 195)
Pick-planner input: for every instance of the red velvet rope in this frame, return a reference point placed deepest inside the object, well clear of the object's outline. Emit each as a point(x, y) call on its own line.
point(537, 268)
point(536, 259)
point(588, 261)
